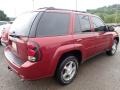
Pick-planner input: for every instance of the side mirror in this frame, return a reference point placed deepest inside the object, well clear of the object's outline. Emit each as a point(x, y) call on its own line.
point(111, 28)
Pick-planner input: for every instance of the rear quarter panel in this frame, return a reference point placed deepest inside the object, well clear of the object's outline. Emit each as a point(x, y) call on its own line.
point(51, 49)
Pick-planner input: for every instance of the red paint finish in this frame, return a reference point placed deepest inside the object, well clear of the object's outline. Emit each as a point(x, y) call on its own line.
point(52, 48)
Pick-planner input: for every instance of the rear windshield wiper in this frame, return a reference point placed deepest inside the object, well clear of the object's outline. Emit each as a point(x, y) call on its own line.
point(15, 36)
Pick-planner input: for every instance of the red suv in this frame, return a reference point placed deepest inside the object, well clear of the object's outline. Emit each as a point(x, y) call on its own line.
point(54, 42)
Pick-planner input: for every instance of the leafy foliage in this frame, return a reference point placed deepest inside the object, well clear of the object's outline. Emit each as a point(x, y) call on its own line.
point(110, 14)
point(3, 16)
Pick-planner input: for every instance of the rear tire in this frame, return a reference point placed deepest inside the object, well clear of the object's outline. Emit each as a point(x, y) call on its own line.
point(113, 50)
point(67, 70)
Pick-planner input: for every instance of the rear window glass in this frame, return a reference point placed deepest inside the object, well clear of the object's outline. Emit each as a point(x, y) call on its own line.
point(53, 24)
point(22, 24)
point(82, 24)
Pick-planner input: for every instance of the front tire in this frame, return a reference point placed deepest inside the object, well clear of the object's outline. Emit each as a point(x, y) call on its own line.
point(67, 70)
point(113, 50)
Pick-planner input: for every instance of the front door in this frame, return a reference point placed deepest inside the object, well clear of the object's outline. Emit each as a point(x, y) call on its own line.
point(102, 36)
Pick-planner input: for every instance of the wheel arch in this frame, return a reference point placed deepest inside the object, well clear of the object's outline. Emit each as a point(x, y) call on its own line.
point(76, 53)
point(62, 52)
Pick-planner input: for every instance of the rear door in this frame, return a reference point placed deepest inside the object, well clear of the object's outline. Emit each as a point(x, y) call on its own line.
point(84, 36)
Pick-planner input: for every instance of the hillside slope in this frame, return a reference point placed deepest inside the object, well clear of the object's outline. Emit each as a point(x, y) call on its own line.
point(110, 14)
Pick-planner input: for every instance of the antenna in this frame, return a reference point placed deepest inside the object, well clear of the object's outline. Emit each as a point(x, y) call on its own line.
point(15, 13)
point(76, 4)
point(116, 14)
point(33, 3)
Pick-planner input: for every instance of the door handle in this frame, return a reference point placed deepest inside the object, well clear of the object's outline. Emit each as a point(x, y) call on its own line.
point(78, 40)
point(99, 37)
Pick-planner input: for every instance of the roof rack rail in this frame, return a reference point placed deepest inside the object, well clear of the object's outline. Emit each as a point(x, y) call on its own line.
point(48, 8)
point(52, 8)
point(80, 11)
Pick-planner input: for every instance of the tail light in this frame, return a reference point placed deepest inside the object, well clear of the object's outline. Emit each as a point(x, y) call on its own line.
point(33, 51)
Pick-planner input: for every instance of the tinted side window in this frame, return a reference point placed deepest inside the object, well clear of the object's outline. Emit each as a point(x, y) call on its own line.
point(98, 24)
point(53, 24)
point(82, 23)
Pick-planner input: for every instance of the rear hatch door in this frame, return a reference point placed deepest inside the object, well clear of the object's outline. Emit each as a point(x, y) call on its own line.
point(20, 33)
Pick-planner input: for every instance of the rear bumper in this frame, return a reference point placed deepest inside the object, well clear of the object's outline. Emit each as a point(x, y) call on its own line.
point(24, 69)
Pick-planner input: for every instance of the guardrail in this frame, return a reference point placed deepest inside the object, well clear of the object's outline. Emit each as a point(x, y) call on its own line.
point(113, 24)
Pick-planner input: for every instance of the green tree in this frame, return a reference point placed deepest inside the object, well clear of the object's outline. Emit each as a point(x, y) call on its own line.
point(110, 14)
point(3, 16)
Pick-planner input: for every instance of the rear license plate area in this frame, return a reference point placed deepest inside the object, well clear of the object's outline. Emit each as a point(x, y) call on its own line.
point(14, 46)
